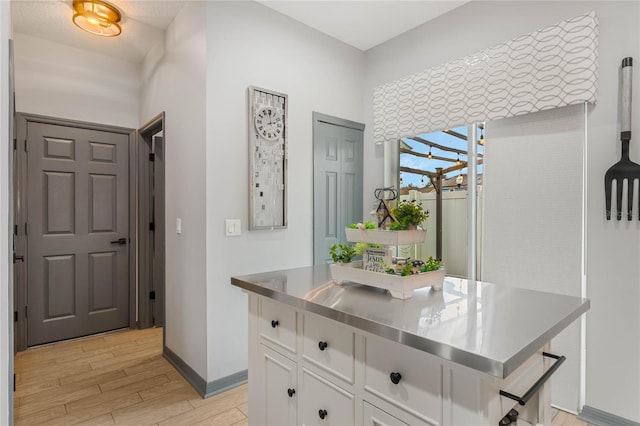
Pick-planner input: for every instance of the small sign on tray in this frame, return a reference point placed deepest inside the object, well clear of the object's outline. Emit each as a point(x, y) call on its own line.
point(377, 259)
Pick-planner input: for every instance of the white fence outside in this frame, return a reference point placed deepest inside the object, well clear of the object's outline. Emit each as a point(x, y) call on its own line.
point(454, 231)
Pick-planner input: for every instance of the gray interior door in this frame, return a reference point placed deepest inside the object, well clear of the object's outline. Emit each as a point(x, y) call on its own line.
point(78, 232)
point(337, 181)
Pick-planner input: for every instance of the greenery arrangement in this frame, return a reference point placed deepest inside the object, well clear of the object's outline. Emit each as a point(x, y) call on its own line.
point(409, 214)
point(342, 253)
point(430, 265)
point(366, 225)
point(361, 247)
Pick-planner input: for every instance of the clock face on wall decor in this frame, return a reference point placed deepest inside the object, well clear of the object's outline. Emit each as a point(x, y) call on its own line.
point(269, 123)
point(267, 159)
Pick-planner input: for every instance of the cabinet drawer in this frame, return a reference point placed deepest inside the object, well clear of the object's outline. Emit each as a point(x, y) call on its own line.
point(419, 378)
point(373, 416)
point(329, 345)
point(278, 324)
point(323, 403)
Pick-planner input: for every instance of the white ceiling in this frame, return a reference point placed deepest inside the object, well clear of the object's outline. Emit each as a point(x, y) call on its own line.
point(143, 24)
point(362, 24)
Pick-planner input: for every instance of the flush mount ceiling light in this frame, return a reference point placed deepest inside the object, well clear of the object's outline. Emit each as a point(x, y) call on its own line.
point(97, 17)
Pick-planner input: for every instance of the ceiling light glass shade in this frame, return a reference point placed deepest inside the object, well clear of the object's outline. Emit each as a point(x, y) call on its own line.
point(97, 17)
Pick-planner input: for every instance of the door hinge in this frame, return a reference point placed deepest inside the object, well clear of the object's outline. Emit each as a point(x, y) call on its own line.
point(26, 147)
point(15, 316)
point(15, 144)
point(15, 229)
point(152, 295)
point(14, 382)
point(152, 156)
point(152, 226)
point(26, 229)
point(26, 312)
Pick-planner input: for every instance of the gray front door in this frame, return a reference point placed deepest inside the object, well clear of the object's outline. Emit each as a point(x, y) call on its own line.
point(78, 232)
point(337, 181)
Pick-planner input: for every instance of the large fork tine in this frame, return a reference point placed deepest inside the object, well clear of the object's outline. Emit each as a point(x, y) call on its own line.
point(630, 198)
point(607, 194)
point(619, 184)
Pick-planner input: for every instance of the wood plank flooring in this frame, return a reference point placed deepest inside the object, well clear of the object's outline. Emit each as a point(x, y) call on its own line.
point(121, 378)
point(116, 378)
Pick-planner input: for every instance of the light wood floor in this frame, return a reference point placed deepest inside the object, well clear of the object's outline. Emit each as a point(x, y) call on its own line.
point(121, 378)
point(116, 378)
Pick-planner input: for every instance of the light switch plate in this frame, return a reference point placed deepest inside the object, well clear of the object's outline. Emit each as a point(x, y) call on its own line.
point(232, 227)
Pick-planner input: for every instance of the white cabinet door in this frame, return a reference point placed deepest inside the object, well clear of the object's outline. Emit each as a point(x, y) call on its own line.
point(280, 393)
point(322, 403)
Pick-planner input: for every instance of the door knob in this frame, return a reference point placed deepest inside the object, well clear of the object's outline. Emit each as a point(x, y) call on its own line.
point(120, 241)
point(275, 323)
point(322, 414)
point(291, 392)
point(322, 345)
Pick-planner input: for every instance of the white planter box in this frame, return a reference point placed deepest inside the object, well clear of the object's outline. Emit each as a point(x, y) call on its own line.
point(387, 238)
point(400, 287)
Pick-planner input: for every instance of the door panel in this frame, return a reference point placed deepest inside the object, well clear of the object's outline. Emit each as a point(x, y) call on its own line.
point(59, 286)
point(58, 202)
point(337, 181)
point(77, 210)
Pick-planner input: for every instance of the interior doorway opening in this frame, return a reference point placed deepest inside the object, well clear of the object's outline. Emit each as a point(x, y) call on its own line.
point(151, 223)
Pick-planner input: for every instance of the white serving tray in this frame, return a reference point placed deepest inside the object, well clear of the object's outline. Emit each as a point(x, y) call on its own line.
point(400, 287)
point(387, 238)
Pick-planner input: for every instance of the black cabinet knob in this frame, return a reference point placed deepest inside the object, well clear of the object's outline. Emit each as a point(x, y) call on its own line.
point(322, 345)
point(274, 323)
point(395, 377)
point(291, 392)
point(322, 414)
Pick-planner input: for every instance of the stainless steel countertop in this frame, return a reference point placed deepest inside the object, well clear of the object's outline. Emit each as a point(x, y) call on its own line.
point(488, 327)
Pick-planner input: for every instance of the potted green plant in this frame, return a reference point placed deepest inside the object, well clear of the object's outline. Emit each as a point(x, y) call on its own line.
point(409, 215)
point(342, 253)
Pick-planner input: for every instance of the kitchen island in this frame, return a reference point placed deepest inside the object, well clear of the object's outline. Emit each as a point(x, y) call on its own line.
point(474, 353)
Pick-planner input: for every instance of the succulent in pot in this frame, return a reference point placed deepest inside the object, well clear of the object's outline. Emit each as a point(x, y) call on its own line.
point(409, 215)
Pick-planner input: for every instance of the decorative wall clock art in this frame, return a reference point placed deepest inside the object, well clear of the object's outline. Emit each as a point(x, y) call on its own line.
point(268, 125)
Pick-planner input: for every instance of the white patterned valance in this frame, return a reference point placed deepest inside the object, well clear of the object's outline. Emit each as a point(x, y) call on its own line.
point(553, 67)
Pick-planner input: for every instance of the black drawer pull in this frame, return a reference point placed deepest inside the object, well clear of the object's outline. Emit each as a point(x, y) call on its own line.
point(322, 345)
point(322, 414)
point(291, 392)
point(274, 323)
point(537, 385)
point(120, 241)
point(395, 378)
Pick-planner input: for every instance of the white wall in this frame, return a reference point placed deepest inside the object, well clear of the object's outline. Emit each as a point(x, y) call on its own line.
point(65, 82)
point(533, 218)
point(174, 82)
point(6, 298)
point(613, 324)
point(249, 44)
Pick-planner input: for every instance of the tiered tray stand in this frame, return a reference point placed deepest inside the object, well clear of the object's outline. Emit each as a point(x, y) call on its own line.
point(400, 287)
